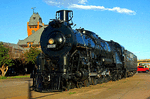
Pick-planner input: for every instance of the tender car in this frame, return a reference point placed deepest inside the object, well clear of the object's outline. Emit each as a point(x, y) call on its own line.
point(142, 69)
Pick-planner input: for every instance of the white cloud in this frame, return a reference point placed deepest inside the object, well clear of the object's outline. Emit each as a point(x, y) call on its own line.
point(64, 3)
point(122, 10)
point(53, 3)
point(91, 7)
point(86, 7)
point(82, 1)
point(80, 4)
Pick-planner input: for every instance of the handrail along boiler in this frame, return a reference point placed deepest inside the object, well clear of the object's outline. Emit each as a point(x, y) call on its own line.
point(75, 58)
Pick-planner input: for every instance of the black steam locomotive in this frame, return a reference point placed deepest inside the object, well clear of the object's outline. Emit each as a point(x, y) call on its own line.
point(75, 58)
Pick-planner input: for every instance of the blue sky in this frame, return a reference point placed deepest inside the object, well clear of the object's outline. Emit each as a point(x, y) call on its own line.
point(124, 21)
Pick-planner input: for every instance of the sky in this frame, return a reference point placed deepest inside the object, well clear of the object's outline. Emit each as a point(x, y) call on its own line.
point(124, 21)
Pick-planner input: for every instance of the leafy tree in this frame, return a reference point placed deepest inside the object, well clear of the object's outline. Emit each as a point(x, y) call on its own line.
point(30, 56)
point(5, 60)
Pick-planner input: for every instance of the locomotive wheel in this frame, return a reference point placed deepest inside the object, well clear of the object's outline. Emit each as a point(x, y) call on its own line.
point(119, 76)
point(94, 81)
point(122, 75)
point(114, 78)
point(86, 83)
point(73, 85)
point(70, 85)
point(100, 80)
point(79, 84)
point(107, 78)
point(125, 74)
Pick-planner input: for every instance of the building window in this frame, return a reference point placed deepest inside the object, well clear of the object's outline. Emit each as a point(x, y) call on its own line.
point(33, 31)
point(29, 45)
point(31, 26)
point(34, 18)
point(40, 20)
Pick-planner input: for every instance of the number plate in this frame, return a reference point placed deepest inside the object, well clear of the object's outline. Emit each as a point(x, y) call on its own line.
point(51, 46)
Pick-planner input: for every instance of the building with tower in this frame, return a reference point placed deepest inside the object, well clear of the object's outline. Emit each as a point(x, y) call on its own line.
point(34, 24)
point(34, 29)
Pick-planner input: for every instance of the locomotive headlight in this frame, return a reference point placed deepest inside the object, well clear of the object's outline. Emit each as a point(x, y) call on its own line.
point(51, 41)
point(56, 41)
point(60, 40)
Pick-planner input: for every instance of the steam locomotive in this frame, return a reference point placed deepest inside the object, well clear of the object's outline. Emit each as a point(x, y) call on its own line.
point(75, 58)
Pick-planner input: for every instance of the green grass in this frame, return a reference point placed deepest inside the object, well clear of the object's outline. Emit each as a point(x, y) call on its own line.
point(2, 77)
point(19, 76)
point(71, 93)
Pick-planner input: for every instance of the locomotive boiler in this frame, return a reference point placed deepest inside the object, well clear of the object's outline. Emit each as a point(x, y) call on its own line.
point(77, 57)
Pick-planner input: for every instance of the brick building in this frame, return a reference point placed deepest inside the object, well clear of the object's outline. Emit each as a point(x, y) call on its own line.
point(34, 29)
point(15, 51)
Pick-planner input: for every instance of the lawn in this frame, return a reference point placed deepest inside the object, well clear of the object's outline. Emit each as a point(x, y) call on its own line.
point(20, 76)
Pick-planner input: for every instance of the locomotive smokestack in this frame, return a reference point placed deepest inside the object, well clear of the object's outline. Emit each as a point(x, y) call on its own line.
point(64, 15)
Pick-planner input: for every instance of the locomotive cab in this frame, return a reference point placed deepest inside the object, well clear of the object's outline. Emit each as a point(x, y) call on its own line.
point(65, 16)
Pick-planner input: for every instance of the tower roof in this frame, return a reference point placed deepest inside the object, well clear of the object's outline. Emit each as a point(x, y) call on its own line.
point(34, 19)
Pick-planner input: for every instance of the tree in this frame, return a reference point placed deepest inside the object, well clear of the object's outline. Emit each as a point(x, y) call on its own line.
point(5, 60)
point(30, 56)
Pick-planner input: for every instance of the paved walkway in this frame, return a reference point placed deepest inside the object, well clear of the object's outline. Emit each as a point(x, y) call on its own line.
point(136, 87)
